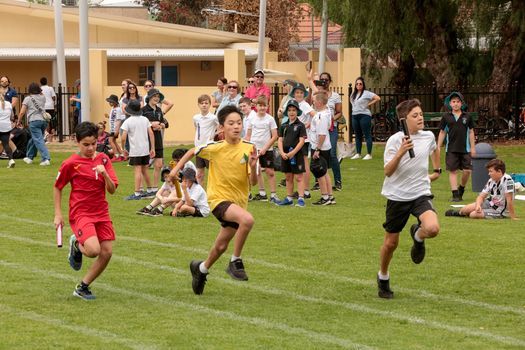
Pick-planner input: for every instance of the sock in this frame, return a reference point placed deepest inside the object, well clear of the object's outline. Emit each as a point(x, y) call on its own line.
point(301, 197)
point(83, 285)
point(330, 196)
point(162, 207)
point(149, 206)
point(324, 196)
point(152, 189)
point(383, 277)
point(203, 268)
point(306, 192)
point(233, 258)
point(290, 198)
point(262, 192)
point(416, 236)
point(141, 189)
point(138, 193)
point(273, 195)
point(455, 194)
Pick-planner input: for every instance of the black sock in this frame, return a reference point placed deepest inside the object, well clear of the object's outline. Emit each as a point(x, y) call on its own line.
point(461, 190)
point(83, 285)
point(455, 194)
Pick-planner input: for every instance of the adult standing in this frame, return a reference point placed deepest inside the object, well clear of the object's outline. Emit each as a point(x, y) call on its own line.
point(217, 95)
point(258, 89)
point(232, 97)
point(6, 119)
point(132, 93)
point(33, 107)
point(361, 100)
point(155, 115)
point(10, 94)
point(49, 94)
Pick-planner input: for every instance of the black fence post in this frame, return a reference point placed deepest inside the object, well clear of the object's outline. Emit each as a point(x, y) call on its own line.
point(60, 114)
point(276, 102)
point(350, 131)
point(434, 96)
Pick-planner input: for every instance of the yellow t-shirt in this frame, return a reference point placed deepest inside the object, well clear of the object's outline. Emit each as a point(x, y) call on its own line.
point(229, 174)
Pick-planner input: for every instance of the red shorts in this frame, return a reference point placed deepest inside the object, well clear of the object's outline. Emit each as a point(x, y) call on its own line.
point(84, 228)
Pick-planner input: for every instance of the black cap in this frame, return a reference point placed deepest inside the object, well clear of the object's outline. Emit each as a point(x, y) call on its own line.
point(299, 86)
point(189, 174)
point(112, 98)
point(133, 107)
point(152, 92)
point(318, 167)
point(292, 103)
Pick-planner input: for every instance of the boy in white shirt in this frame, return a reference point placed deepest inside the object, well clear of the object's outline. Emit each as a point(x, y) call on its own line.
point(141, 147)
point(166, 196)
point(299, 93)
point(206, 124)
point(245, 105)
point(116, 117)
point(407, 189)
point(262, 132)
point(194, 201)
point(321, 146)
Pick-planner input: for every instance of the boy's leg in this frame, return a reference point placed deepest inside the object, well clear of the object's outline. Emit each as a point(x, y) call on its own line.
point(186, 209)
point(467, 209)
point(453, 179)
point(145, 175)
point(390, 243)
point(306, 177)
point(157, 167)
point(138, 177)
point(289, 184)
point(428, 227)
point(103, 251)
point(300, 183)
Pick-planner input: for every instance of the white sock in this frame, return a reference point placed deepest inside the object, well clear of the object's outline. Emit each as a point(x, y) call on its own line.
point(262, 193)
point(383, 277)
point(273, 195)
point(416, 236)
point(138, 193)
point(306, 192)
point(290, 198)
point(233, 258)
point(324, 196)
point(203, 268)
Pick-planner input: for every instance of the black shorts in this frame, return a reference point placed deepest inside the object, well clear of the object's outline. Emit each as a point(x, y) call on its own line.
point(159, 153)
point(219, 212)
point(144, 160)
point(201, 162)
point(455, 161)
point(397, 213)
point(266, 160)
point(197, 213)
point(305, 149)
point(326, 156)
point(298, 168)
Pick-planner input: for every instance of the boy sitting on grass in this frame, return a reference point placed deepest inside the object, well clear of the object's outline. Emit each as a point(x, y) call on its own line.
point(165, 197)
point(496, 200)
point(194, 201)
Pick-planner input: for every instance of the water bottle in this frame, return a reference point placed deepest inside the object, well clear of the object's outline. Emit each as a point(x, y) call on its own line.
point(292, 160)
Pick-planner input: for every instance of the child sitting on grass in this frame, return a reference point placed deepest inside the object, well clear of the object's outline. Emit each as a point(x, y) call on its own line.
point(194, 201)
point(165, 197)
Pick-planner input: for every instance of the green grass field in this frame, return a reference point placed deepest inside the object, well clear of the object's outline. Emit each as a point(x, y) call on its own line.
point(312, 275)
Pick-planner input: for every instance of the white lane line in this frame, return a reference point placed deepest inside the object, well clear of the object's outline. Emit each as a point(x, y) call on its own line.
point(417, 293)
point(256, 321)
point(310, 299)
point(104, 336)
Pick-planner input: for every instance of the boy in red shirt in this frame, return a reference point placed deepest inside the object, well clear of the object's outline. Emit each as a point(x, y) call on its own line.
point(90, 174)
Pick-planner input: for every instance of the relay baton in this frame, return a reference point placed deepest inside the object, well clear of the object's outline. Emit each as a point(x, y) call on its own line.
point(177, 188)
point(405, 131)
point(59, 236)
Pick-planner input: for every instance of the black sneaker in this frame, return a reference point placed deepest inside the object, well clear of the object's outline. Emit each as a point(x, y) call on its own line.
point(259, 197)
point(143, 211)
point(316, 187)
point(332, 200)
point(417, 253)
point(236, 270)
point(198, 278)
point(295, 195)
point(155, 212)
point(250, 197)
point(456, 199)
point(383, 289)
point(282, 183)
point(338, 186)
point(452, 212)
point(83, 292)
point(322, 201)
point(75, 255)
point(307, 195)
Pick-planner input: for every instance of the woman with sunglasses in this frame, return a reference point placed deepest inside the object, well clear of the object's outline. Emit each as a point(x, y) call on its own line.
point(132, 93)
point(232, 97)
point(361, 100)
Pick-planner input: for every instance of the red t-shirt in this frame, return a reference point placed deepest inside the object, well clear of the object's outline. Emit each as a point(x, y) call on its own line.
point(88, 189)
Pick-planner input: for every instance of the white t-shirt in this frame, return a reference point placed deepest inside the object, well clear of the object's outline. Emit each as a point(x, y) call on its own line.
point(5, 117)
point(115, 113)
point(305, 117)
point(49, 93)
point(199, 198)
point(262, 129)
point(320, 126)
point(360, 105)
point(333, 99)
point(137, 128)
point(169, 187)
point(205, 127)
point(410, 180)
point(246, 122)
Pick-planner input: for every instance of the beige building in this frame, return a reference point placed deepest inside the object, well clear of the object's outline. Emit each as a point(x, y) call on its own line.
point(184, 61)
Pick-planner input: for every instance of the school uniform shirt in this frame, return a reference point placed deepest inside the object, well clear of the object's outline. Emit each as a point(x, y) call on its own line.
point(137, 128)
point(320, 125)
point(262, 129)
point(305, 117)
point(360, 104)
point(457, 131)
point(291, 134)
point(88, 189)
point(199, 198)
point(496, 191)
point(411, 179)
point(205, 127)
point(5, 117)
point(154, 114)
point(229, 174)
point(115, 113)
point(167, 187)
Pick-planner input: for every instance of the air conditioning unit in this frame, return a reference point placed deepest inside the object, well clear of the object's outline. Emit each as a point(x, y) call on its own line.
point(70, 2)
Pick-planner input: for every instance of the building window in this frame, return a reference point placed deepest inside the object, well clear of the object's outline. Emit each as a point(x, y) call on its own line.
point(170, 75)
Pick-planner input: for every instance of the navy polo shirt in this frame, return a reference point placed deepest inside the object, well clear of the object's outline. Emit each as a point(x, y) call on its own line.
point(457, 131)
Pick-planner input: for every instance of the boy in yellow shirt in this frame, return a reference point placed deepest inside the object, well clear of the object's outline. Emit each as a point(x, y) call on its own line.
point(232, 171)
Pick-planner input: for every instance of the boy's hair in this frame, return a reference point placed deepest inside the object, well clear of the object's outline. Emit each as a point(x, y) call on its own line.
point(245, 100)
point(203, 98)
point(405, 107)
point(178, 153)
point(86, 129)
point(43, 81)
point(261, 100)
point(496, 164)
point(226, 111)
point(321, 96)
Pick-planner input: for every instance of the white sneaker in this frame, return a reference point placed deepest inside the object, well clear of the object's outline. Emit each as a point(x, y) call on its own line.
point(356, 156)
point(11, 163)
point(28, 161)
point(45, 163)
point(367, 157)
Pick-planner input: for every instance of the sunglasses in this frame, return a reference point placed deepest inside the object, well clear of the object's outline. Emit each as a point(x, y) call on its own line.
point(233, 87)
point(259, 76)
point(132, 87)
point(146, 86)
point(251, 81)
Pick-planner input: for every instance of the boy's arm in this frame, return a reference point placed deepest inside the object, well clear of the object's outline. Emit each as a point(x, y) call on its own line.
point(435, 157)
point(441, 138)
point(281, 149)
point(510, 201)
point(187, 198)
point(253, 166)
point(479, 201)
point(248, 136)
point(392, 165)
point(472, 139)
point(123, 141)
point(57, 197)
point(166, 106)
point(270, 142)
point(297, 148)
point(110, 185)
point(151, 142)
point(118, 124)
